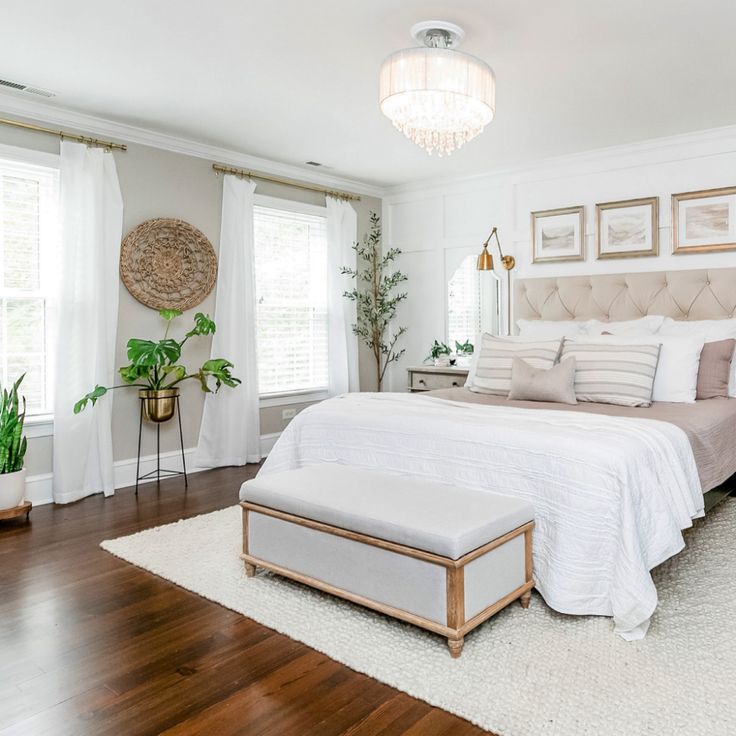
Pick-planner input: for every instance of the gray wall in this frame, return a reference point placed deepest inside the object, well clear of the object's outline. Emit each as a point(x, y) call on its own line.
point(157, 183)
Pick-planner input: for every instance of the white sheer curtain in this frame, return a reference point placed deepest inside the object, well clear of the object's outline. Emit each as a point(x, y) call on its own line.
point(230, 430)
point(342, 228)
point(86, 315)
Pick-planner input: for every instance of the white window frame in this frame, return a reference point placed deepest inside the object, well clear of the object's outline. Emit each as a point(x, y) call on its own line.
point(37, 425)
point(285, 398)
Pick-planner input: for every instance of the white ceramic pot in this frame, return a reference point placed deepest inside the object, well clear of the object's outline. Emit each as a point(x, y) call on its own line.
point(442, 361)
point(12, 489)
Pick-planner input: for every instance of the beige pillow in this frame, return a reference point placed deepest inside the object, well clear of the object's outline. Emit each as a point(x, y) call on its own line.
point(715, 369)
point(555, 384)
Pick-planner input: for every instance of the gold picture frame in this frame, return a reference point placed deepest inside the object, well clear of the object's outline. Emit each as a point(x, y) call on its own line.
point(559, 232)
point(704, 221)
point(627, 228)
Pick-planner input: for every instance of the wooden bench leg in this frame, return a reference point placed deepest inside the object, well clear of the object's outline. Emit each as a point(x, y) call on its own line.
point(250, 570)
point(455, 646)
point(524, 600)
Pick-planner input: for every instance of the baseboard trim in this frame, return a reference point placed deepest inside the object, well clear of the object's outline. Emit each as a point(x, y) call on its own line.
point(39, 488)
point(124, 470)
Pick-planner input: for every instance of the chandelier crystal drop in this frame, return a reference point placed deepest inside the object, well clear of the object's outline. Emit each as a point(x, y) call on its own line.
point(437, 97)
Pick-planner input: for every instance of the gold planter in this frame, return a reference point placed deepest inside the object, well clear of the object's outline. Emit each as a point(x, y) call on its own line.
point(158, 406)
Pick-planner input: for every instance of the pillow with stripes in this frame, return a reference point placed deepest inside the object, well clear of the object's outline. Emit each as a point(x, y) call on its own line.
point(676, 376)
point(490, 372)
point(610, 371)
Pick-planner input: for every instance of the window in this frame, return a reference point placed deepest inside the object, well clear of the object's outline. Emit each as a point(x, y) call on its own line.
point(464, 303)
point(28, 196)
point(291, 299)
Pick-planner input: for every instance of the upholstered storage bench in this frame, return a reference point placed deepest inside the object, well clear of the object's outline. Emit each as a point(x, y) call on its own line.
point(442, 557)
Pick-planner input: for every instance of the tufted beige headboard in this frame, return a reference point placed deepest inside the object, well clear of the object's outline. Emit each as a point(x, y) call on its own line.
point(701, 294)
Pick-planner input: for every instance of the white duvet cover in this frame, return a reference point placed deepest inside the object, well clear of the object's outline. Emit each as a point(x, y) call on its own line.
point(612, 495)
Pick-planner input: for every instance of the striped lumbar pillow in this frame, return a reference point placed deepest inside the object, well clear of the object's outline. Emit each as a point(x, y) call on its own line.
point(491, 372)
point(613, 372)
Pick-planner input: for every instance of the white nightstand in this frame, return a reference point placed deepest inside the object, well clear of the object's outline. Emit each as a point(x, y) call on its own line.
point(429, 377)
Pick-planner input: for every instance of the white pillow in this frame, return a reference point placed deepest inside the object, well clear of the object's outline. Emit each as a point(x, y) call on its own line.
point(490, 372)
point(677, 371)
point(549, 329)
point(712, 330)
point(644, 326)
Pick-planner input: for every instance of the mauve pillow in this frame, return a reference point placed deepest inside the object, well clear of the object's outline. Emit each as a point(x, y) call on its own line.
point(715, 369)
point(555, 384)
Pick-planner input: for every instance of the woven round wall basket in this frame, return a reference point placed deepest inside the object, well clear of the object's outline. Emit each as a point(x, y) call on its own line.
point(168, 264)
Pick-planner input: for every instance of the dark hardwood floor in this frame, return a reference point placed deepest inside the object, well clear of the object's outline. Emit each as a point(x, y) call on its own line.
point(92, 645)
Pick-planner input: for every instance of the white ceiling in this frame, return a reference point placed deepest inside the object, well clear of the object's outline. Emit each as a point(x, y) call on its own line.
point(296, 80)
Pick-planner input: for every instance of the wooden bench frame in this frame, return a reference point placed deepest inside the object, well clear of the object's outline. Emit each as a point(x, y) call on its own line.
point(457, 626)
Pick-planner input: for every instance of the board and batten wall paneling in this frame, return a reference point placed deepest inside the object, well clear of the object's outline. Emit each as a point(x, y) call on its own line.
point(158, 183)
point(439, 220)
point(435, 232)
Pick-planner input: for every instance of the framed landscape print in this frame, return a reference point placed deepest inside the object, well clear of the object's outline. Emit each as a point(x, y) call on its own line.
point(628, 228)
point(704, 221)
point(558, 235)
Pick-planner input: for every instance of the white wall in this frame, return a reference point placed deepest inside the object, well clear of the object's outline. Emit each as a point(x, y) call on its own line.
point(434, 224)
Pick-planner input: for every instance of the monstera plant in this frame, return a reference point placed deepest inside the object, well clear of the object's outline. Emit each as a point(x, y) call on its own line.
point(155, 369)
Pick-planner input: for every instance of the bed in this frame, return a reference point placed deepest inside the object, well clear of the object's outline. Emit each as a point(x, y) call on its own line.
point(613, 487)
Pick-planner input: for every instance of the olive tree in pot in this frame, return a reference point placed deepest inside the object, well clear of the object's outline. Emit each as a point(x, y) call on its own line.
point(156, 371)
point(376, 298)
point(12, 447)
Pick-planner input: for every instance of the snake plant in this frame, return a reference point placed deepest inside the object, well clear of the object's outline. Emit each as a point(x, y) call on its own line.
point(12, 442)
point(155, 365)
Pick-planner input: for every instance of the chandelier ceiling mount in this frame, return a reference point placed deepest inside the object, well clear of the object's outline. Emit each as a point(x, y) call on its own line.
point(438, 97)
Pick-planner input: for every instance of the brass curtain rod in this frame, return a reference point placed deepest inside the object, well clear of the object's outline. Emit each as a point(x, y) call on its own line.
point(63, 135)
point(278, 180)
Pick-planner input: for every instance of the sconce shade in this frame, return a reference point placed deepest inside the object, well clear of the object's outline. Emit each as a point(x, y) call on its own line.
point(485, 260)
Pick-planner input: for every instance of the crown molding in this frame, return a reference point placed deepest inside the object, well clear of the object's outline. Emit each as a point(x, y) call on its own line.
point(48, 114)
point(709, 142)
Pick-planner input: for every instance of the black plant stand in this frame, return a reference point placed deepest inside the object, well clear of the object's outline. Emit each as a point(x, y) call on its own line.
point(159, 470)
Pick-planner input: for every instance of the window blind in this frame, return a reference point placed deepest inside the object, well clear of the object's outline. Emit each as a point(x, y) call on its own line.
point(291, 300)
point(27, 204)
point(464, 303)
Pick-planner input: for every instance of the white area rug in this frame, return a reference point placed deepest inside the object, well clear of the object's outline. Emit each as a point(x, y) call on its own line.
point(522, 673)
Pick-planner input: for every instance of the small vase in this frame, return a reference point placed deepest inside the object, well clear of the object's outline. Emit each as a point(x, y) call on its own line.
point(12, 489)
point(158, 406)
point(442, 361)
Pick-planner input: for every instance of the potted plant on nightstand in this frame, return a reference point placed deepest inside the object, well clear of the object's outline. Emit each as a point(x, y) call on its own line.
point(12, 448)
point(464, 352)
point(439, 354)
point(156, 371)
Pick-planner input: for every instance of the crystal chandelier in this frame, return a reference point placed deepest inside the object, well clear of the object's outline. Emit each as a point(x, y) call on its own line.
point(436, 96)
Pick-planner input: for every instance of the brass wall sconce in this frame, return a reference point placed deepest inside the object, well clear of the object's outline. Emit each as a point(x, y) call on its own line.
point(485, 263)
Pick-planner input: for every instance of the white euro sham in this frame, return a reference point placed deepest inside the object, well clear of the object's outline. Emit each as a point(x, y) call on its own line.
point(711, 330)
point(542, 329)
point(649, 325)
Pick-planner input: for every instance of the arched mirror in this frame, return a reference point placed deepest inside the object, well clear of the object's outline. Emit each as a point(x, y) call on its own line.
point(473, 301)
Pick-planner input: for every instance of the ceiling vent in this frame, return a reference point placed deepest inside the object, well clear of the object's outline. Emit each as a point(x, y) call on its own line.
point(26, 88)
point(39, 91)
point(313, 163)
